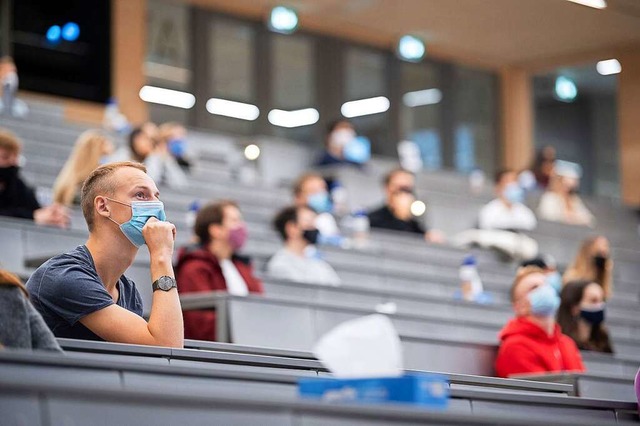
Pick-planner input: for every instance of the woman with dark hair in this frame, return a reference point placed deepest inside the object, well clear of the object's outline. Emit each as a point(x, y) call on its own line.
point(593, 263)
point(581, 315)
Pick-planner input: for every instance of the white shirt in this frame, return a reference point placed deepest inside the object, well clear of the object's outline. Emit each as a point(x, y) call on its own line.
point(497, 215)
point(235, 283)
point(552, 207)
point(327, 225)
point(289, 266)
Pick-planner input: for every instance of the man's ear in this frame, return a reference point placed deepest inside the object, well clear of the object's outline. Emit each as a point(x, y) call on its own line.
point(101, 206)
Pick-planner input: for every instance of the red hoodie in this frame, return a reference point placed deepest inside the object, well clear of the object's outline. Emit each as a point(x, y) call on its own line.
point(526, 348)
point(198, 270)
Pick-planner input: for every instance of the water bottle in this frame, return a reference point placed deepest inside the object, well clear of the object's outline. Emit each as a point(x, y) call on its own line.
point(470, 279)
point(113, 120)
point(361, 227)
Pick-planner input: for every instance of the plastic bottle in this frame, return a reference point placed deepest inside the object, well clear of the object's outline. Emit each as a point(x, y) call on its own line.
point(470, 279)
point(192, 212)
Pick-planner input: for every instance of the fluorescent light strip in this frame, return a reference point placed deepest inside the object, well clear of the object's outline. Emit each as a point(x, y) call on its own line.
point(365, 107)
point(296, 118)
point(422, 97)
point(609, 67)
point(597, 4)
point(174, 98)
point(233, 109)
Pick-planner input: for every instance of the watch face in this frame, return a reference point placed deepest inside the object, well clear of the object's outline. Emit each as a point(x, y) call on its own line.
point(166, 283)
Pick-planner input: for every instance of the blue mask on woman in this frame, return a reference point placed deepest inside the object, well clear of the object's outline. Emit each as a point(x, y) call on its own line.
point(320, 202)
point(141, 212)
point(544, 301)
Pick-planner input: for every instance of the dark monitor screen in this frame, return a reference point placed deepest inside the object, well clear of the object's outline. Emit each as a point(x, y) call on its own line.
point(63, 47)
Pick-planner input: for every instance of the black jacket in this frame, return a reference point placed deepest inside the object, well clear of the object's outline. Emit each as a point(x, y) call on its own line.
point(16, 198)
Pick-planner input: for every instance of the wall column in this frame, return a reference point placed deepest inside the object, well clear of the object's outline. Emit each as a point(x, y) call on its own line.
point(516, 127)
point(629, 125)
point(129, 42)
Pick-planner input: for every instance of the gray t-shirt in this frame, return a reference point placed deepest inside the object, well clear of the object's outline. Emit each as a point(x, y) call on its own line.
point(67, 287)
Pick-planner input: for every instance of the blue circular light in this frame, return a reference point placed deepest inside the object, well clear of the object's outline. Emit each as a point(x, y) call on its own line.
point(283, 20)
point(565, 88)
point(53, 34)
point(70, 31)
point(411, 48)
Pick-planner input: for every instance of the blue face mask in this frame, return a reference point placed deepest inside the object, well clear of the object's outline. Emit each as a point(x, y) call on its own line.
point(141, 212)
point(177, 147)
point(357, 150)
point(554, 279)
point(320, 202)
point(513, 193)
point(544, 301)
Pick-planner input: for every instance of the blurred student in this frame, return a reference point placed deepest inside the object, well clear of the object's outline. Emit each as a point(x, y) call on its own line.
point(503, 220)
point(593, 263)
point(83, 294)
point(298, 260)
point(342, 146)
point(146, 147)
point(22, 326)
point(174, 135)
point(8, 84)
point(582, 314)
point(16, 198)
point(507, 211)
point(533, 342)
point(92, 149)
point(543, 166)
point(213, 264)
point(395, 214)
point(561, 202)
point(311, 190)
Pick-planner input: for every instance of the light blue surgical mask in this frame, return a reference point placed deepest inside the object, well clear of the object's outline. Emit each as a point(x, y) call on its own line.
point(141, 212)
point(513, 193)
point(554, 279)
point(320, 202)
point(357, 150)
point(544, 301)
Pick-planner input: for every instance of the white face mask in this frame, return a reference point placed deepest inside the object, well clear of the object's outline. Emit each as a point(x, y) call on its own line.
point(341, 137)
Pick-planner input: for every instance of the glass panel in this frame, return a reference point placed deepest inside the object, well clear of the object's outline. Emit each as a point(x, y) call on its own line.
point(365, 76)
point(420, 112)
point(168, 55)
point(475, 139)
point(292, 72)
point(231, 60)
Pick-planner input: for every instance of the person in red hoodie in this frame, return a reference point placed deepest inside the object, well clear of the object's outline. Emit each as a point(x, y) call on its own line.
point(533, 342)
point(214, 265)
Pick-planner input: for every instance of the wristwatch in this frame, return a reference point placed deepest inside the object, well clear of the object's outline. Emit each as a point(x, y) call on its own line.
point(164, 283)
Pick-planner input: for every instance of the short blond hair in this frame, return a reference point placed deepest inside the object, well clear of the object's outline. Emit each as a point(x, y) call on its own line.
point(100, 182)
point(521, 275)
point(302, 180)
point(9, 142)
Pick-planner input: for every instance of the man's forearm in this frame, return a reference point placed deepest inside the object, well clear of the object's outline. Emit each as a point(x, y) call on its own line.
point(165, 321)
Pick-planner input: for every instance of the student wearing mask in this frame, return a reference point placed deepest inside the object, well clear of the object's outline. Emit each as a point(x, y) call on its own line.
point(92, 149)
point(311, 190)
point(213, 264)
point(22, 326)
point(533, 342)
point(340, 133)
point(16, 198)
point(83, 294)
point(174, 135)
point(593, 263)
point(507, 211)
point(298, 260)
point(561, 202)
point(396, 215)
point(581, 316)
